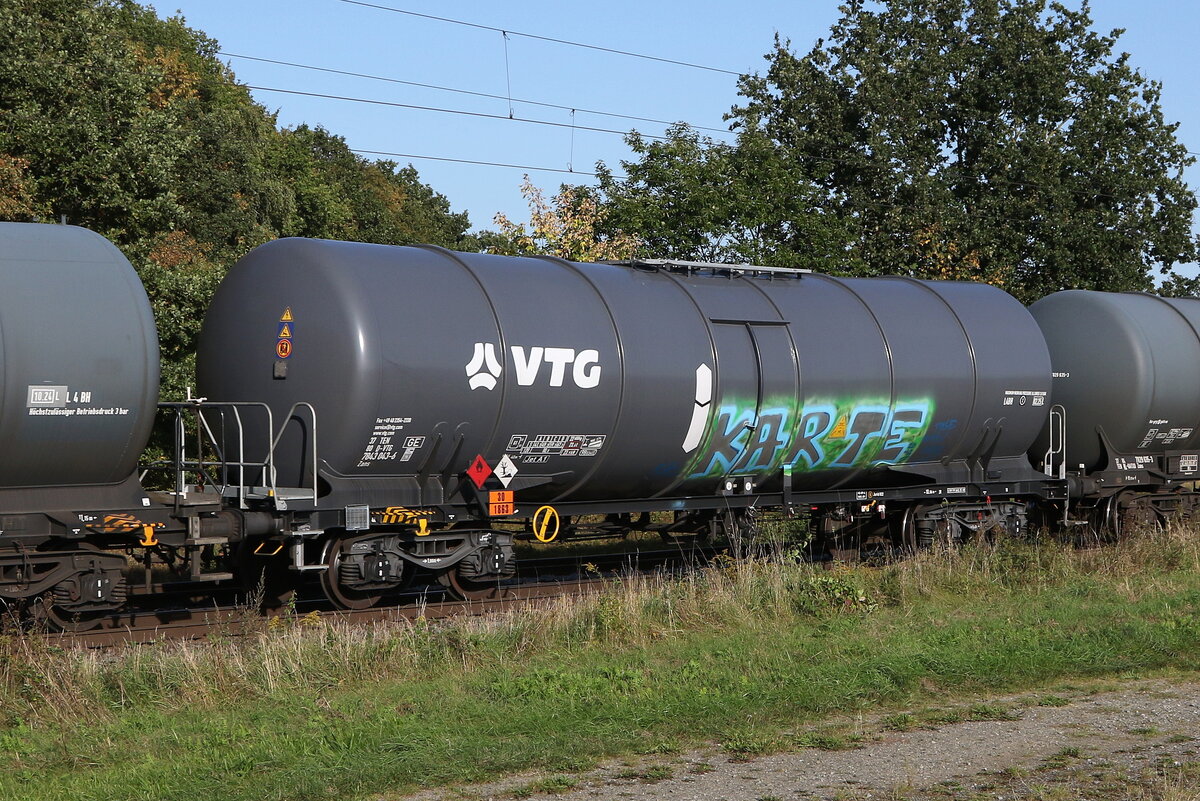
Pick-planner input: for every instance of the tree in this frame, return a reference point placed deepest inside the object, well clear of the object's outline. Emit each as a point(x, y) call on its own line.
point(996, 140)
point(570, 229)
point(690, 197)
point(131, 125)
point(16, 196)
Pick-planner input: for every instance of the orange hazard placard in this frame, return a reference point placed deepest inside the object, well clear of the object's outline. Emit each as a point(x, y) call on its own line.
point(500, 503)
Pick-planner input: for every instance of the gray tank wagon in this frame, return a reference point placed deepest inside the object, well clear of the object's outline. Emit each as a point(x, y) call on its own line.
point(79, 360)
point(80, 384)
point(1127, 400)
point(622, 388)
point(605, 382)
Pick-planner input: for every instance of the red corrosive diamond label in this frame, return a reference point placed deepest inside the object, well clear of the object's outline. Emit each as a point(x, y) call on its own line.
point(479, 471)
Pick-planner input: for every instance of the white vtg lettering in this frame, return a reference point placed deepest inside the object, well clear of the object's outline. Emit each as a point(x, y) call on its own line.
point(484, 368)
point(585, 365)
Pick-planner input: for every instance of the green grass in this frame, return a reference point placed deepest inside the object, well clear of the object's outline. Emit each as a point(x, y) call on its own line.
point(741, 656)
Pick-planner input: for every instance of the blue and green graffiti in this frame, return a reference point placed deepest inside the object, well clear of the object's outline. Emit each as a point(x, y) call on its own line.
point(825, 435)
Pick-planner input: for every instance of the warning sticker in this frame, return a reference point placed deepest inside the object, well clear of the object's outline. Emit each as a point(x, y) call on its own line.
point(505, 470)
point(500, 503)
point(283, 335)
point(479, 471)
point(839, 428)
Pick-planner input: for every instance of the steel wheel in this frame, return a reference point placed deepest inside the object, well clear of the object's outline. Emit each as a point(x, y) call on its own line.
point(342, 596)
point(1134, 514)
point(905, 536)
point(470, 589)
point(56, 618)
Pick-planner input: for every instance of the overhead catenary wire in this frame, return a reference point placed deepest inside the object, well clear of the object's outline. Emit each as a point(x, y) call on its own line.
point(469, 92)
point(529, 168)
point(508, 76)
point(509, 31)
point(483, 115)
point(440, 110)
point(877, 205)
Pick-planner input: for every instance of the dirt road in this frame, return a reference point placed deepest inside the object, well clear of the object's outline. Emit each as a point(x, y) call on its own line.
point(1141, 741)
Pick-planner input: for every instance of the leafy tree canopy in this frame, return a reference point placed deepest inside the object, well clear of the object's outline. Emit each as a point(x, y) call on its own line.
point(995, 140)
point(569, 226)
point(130, 125)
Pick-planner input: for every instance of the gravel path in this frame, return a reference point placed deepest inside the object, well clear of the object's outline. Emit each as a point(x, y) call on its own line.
point(1137, 742)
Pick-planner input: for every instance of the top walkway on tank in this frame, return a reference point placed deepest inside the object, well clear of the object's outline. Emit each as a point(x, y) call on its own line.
point(715, 268)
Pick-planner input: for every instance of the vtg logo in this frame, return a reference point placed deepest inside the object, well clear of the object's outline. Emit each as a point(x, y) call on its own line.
point(484, 367)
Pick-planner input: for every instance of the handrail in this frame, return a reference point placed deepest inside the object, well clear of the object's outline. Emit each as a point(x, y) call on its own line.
point(231, 416)
point(1057, 443)
point(313, 439)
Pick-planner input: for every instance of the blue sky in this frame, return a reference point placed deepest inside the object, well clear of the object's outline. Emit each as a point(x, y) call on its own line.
point(1160, 36)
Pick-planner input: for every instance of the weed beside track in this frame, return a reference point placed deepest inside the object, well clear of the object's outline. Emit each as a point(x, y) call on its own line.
point(743, 654)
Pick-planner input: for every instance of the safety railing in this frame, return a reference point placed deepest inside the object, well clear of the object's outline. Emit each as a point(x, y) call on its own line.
point(1054, 463)
point(221, 427)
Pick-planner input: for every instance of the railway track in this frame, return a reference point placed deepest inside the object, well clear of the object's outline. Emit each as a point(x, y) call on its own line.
point(539, 580)
point(154, 626)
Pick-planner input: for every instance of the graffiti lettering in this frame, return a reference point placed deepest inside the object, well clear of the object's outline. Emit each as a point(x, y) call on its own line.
point(767, 439)
point(866, 425)
point(727, 441)
point(814, 425)
point(897, 447)
point(820, 436)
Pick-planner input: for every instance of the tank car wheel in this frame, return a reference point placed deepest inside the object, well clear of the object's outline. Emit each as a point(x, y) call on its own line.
point(1134, 514)
point(904, 534)
point(342, 596)
point(51, 616)
point(469, 589)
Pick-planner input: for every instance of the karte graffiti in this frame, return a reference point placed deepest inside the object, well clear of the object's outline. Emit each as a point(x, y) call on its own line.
point(820, 435)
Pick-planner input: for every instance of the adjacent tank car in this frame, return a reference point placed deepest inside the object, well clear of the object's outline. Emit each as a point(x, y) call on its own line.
point(79, 358)
point(1126, 429)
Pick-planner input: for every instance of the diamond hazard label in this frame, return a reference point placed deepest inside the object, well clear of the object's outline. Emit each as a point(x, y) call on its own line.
point(479, 471)
point(506, 470)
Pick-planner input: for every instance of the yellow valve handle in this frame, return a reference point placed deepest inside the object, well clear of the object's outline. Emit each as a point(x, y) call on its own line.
point(543, 518)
